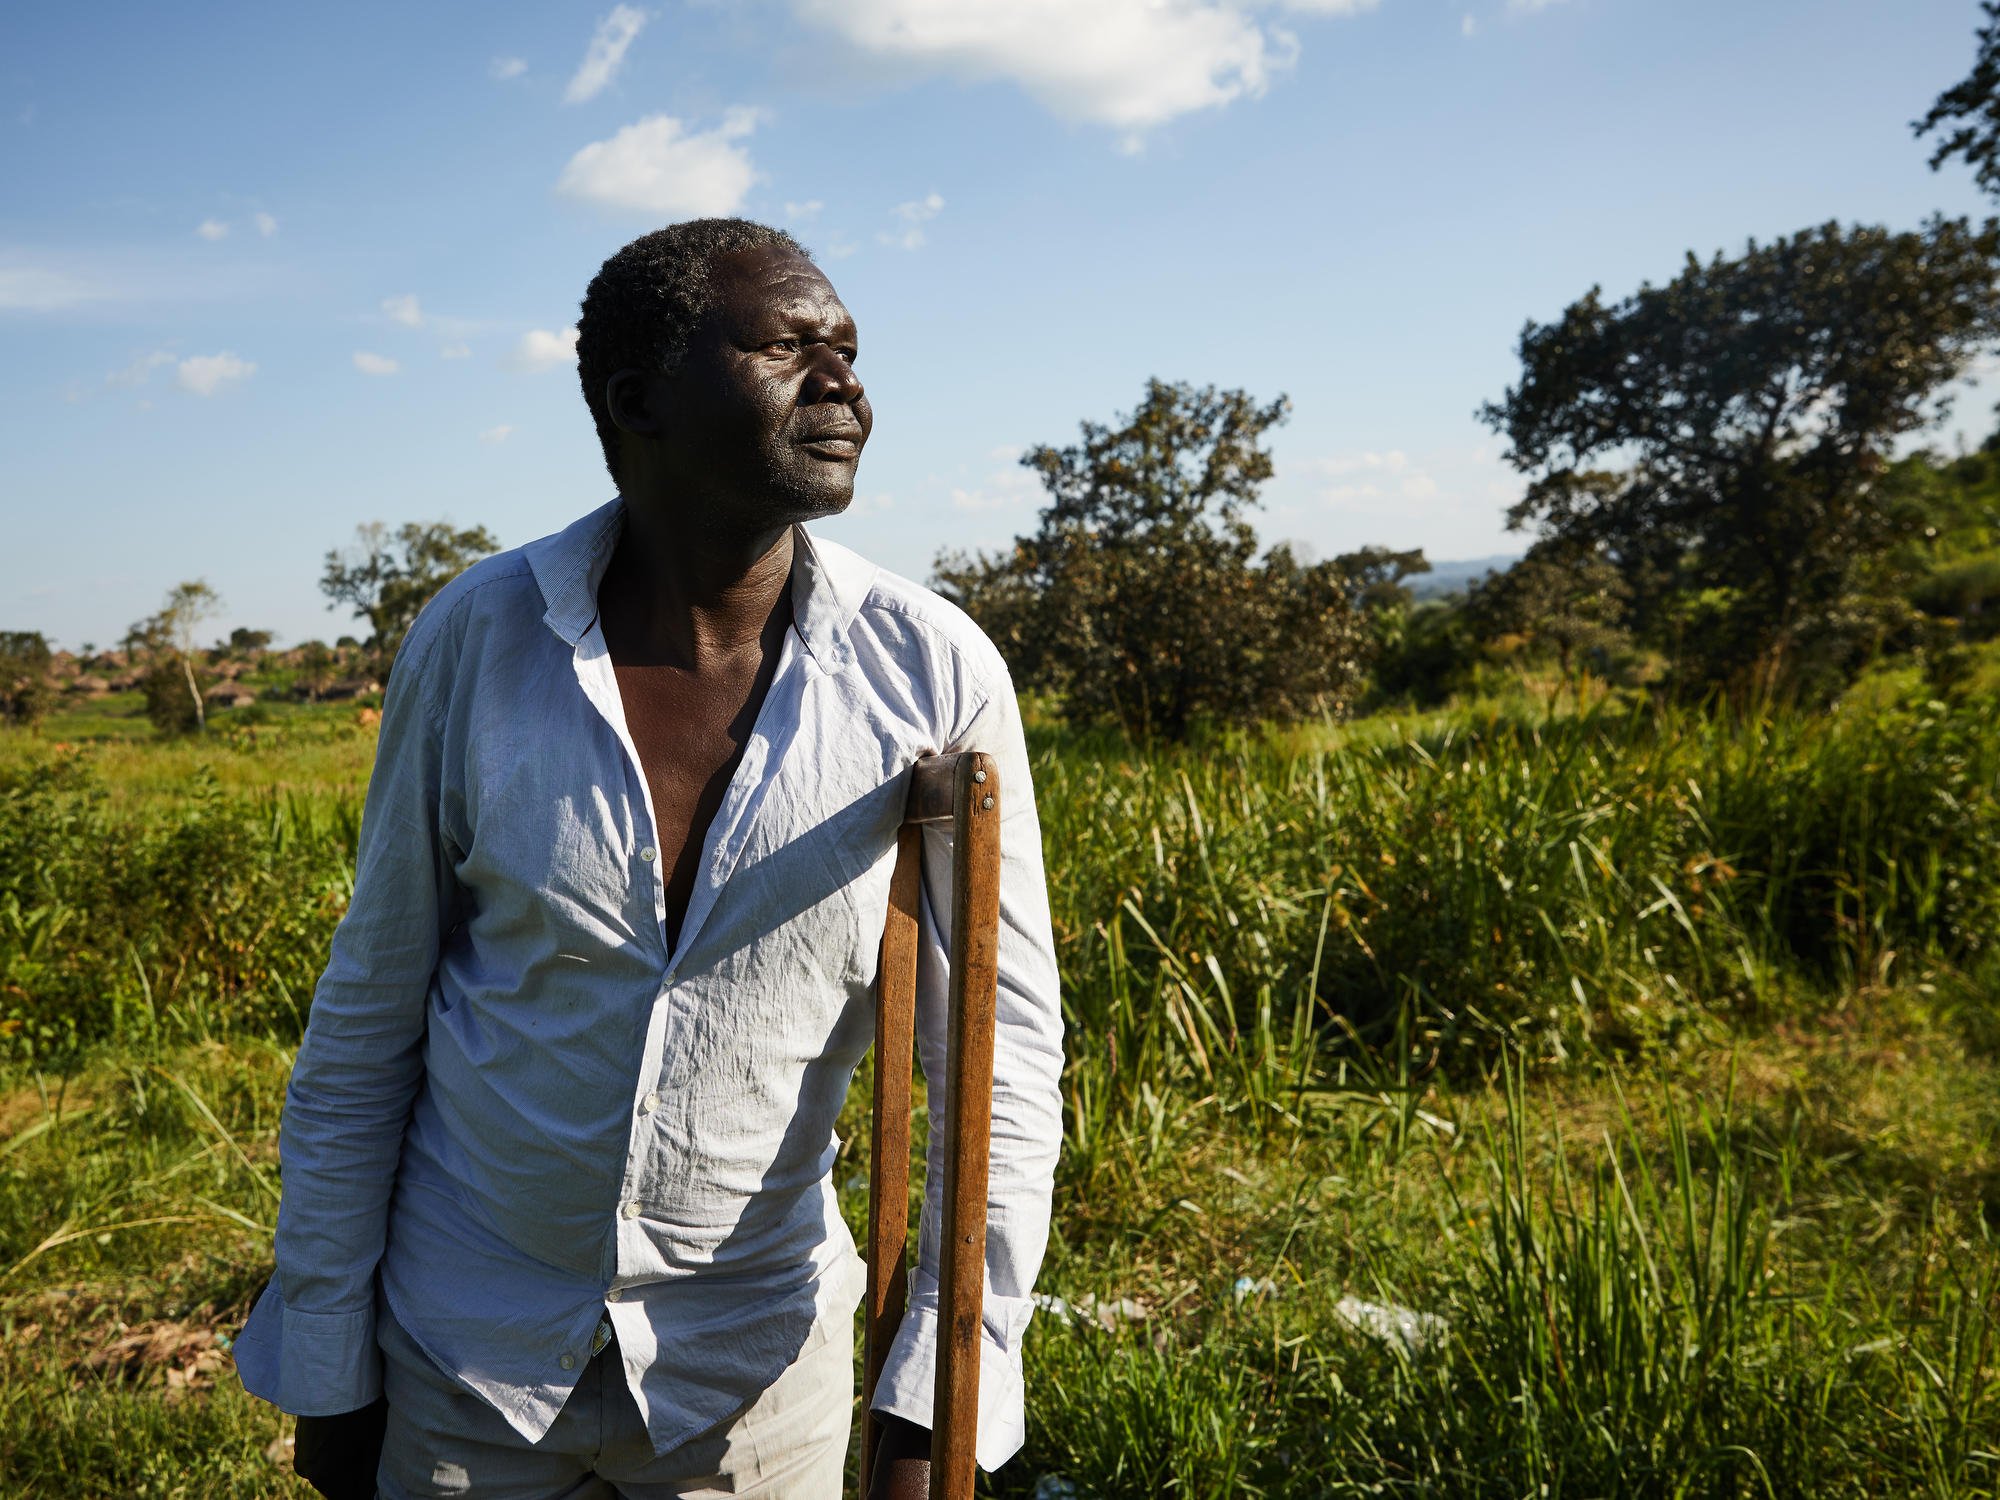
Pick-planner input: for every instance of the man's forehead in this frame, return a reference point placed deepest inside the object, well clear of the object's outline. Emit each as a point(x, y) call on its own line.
point(773, 280)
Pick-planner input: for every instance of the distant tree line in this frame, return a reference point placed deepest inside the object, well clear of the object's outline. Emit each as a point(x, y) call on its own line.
point(384, 577)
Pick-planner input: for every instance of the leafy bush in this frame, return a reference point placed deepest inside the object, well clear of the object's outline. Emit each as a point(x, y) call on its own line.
point(215, 917)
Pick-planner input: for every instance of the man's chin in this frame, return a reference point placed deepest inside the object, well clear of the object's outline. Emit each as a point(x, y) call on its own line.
point(815, 502)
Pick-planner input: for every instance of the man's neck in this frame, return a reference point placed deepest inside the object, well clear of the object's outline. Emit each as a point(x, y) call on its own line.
point(681, 596)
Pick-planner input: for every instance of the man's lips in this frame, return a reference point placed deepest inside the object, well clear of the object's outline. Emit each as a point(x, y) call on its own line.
point(843, 444)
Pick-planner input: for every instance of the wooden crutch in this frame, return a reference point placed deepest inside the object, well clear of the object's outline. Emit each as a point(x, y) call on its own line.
point(964, 788)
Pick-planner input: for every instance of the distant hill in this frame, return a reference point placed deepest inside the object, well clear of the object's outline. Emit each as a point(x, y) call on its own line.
point(1453, 577)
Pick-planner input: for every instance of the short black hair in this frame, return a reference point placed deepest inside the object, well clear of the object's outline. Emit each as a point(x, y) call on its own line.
point(643, 304)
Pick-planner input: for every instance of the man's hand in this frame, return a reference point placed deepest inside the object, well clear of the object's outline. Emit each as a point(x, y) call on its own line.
point(338, 1455)
point(902, 1461)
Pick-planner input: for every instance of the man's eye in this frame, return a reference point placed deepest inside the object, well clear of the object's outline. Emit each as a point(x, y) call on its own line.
point(787, 346)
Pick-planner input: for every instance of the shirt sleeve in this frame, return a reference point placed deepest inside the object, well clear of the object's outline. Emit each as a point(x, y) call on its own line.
point(1027, 1102)
point(309, 1346)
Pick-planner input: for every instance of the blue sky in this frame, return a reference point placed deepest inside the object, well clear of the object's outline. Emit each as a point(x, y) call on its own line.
point(267, 272)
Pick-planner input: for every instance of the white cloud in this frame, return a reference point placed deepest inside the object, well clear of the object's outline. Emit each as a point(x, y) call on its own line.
point(140, 370)
point(374, 364)
point(839, 247)
point(1450, 500)
point(504, 68)
point(205, 374)
point(266, 225)
point(1468, 25)
point(38, 289)
point(540, 349)
point(404, 310)
point(911, 218)
point(1007, 487)
point(803, 213)
point(212, 230)
point(606, 53)
point(455, 351)
point(494, 436)
point(658, 168)
point(1130, 64)
point(1393, 461)
point(1529, 7)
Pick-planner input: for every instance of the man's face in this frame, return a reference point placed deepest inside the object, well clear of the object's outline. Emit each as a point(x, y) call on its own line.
point(767, 409)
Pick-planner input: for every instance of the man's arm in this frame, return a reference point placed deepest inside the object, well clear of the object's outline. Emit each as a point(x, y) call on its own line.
point(1027, 1101)
point(309, 1347)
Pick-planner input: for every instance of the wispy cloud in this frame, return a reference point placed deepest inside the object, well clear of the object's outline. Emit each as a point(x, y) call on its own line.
point(374, 364)
point(140, 370)
point(803, 213)
point(41, 289)
point(494, 436)
point(541, 349)
point(266, 225)
point(659, 168)
point(404, 310)
point(606, 53)
point(504, 68)
point(910, 220)
point(455, 351)
point(205, 374)
point(1007, 487)
point(1129, 64)
point(212, 230)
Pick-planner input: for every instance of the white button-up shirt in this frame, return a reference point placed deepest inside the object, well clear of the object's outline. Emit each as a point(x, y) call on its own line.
point(521, 1109)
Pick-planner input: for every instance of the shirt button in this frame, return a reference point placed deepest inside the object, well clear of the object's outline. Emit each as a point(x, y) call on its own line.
point(568, 1361)
point(616, 1294)
point(649, 854)
point(630, 1210)
point(648, 1104)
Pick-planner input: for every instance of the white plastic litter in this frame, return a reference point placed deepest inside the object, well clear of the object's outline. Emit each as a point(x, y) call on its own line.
point(1411, 1330)
point(1105, 1313)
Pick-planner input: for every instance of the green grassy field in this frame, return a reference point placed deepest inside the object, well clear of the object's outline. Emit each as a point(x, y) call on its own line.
point(1477, 1104)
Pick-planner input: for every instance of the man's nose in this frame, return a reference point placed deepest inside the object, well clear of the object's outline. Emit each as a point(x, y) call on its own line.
point(832, 378)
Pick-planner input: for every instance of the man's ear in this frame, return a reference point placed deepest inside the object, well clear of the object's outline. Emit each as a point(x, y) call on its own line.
point(633, 399)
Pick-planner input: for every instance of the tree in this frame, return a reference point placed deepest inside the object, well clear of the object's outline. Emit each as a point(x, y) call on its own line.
point(1753, 402)
point(387, 577)
point(1969, 111)
point(246, 642)
point(1557, 598)
point(316, 663)
point(1376, 576)
point(1140, 601)
point(166, 640)
point(26, 691)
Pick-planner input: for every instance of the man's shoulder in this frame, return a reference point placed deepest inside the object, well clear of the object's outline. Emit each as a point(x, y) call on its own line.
point(500, 586)
point(902, 607)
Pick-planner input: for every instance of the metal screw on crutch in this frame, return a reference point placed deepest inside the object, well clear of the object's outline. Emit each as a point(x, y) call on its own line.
point(964, 790)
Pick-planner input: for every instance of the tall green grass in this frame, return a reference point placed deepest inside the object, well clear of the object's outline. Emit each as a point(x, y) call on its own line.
point(1292, 973)
point(1601, 883)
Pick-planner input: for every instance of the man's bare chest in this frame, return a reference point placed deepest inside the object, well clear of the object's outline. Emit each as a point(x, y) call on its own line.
point(689, 736)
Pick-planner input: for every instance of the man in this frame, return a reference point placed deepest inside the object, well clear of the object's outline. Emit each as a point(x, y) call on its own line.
point(557, 1216)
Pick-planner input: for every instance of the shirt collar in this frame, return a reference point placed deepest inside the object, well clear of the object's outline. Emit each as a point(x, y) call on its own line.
point(829, 582)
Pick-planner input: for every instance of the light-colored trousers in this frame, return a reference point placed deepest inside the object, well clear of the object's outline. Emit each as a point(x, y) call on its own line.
point(788, 1444)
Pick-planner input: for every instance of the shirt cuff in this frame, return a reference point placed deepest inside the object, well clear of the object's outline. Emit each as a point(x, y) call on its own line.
point(909, 1375)
point(309, 1364)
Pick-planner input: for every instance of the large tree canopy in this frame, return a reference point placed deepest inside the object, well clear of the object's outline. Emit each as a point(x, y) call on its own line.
point(1726, 431)
point(1141, 601)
